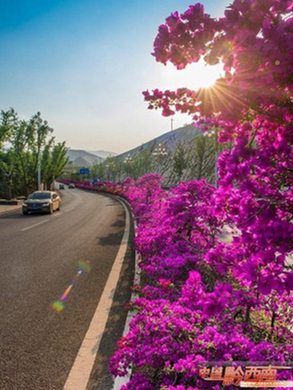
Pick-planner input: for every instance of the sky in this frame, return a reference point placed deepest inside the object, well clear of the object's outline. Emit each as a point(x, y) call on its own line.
point(84, 64)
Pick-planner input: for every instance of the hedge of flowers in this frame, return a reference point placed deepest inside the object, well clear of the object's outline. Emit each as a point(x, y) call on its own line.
point(203, 299)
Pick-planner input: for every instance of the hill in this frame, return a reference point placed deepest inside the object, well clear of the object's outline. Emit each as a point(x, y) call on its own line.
point(102, 153)
point(181, 154)
point(83, 158)
point(183, 135)
point(170, 140)
point(187, 155)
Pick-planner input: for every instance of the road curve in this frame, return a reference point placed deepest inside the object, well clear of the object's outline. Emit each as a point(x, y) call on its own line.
point(39, 257)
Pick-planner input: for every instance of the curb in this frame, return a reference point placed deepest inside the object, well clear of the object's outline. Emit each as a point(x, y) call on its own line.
point(9, 202)
point(120, 381)
point(13, 211)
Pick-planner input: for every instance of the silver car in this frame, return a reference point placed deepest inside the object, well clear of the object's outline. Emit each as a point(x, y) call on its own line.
point(41, 202)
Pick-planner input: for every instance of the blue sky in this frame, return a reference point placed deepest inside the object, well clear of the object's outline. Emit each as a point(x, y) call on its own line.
point(84, 64)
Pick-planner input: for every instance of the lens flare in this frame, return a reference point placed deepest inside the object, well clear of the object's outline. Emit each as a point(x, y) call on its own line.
point(64, 296)
point(59, 305)
point(84, 266)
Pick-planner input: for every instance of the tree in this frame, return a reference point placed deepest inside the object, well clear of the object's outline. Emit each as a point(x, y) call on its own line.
point(140, 164)
point(179, 161)
point(8, 125)
point(99, 171)
point(54, 160)
point(29, 144)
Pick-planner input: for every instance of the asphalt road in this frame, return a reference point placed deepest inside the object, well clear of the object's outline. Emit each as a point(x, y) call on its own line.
point(39, 257)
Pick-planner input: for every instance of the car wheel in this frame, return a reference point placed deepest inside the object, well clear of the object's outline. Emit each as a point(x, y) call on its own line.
point(24, 212)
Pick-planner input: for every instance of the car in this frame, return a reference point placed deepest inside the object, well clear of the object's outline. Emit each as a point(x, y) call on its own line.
point(41, 202)
point(71, 185)
point(61, 187)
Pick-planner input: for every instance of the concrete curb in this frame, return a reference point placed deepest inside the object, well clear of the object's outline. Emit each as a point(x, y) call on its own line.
point(9, 202)
point(4, 210)
point(120, 381)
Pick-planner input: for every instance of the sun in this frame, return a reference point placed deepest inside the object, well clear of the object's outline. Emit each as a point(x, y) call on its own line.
point(194, 76)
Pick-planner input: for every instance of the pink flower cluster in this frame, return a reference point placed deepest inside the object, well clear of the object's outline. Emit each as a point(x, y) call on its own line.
point(254, 43)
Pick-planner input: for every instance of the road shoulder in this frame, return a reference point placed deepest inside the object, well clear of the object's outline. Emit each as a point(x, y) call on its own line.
point(9, 209)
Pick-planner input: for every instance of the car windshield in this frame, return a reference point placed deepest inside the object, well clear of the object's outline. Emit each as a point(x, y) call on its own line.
point(40, 195)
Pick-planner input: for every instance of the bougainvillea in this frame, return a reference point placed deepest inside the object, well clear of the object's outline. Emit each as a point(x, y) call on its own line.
point(200, 301)
point(254, 43)
point(202, 298)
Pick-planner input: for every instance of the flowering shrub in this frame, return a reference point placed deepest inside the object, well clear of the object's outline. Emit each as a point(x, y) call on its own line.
point(197, 304)
point(175, 238)
point(254, 43)
point(202, 299)
point(143, 193)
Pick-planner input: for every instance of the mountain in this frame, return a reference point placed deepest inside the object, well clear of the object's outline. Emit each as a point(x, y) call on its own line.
point(181, 154)
point(102, 153)
point(81, 158)
point(183, 135)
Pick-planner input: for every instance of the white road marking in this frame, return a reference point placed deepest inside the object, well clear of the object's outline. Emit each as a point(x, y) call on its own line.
point(32, 226)
point(80, 371)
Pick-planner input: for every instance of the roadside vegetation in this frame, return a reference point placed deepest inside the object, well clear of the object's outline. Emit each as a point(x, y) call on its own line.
point(25, 145)
point(195, 159)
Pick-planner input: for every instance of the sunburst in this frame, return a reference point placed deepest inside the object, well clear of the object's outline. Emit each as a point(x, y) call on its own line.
point(194, 76)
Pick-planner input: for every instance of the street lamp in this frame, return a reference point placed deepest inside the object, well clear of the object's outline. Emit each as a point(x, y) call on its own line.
point(159, 153)
point(40, 142)
point(127, 161)
point(160, 150)
point(107, 166)
point(39, 169)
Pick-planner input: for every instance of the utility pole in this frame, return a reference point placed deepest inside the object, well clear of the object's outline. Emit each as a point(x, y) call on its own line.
point(159, 153)
point(128, 161)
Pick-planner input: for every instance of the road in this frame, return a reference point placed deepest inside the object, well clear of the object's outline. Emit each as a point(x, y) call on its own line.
point(39, 259)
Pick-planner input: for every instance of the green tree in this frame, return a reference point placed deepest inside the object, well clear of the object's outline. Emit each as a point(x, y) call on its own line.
point(180, 162)
point(98, 171)
point(9, 122)
point(25, 145)
point(54, 161)
point(138, 165)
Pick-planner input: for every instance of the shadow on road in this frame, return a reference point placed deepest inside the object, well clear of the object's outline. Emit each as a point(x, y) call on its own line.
point(119, 223)
point(113, 238)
